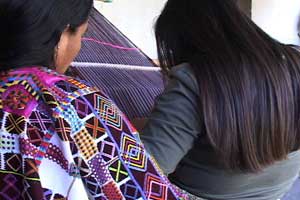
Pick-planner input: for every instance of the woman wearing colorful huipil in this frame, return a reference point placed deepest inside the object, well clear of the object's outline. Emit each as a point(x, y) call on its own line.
point(61, 138)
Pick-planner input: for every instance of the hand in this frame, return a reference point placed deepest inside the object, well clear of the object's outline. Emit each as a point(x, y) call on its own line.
point(139, 123)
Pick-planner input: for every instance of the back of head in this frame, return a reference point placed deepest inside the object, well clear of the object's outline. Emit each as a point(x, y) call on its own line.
point(30, 29)
point(249, 83)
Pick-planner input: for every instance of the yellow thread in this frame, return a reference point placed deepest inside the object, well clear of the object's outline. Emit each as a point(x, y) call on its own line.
point(25, 177)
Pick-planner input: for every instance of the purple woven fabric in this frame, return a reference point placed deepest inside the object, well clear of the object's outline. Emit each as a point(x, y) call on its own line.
point(101, 42)
point(133, 90)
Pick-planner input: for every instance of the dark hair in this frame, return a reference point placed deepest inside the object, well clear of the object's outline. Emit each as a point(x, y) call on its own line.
point(30, 30)
point(249, 83)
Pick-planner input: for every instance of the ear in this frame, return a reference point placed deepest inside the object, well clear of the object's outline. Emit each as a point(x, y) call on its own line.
point(61, 49)
point(68, 47)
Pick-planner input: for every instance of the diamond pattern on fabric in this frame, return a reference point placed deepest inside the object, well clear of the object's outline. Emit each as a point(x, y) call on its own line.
point(94, 188)
point(131, 192)
point(95, 127)
point(35, 136)
point(133, 153)
point(155, 188)
point(108, 111)
point(14, 124)
point(13, 162)
point(30, 168)
point(40, 121)
point(107, 149)
point(82, 108)
point(118, 171)
point(10, 187)
point(63, 129)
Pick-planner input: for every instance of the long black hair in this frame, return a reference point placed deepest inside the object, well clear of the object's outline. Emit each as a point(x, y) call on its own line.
point(249, 83)
point(30, 29)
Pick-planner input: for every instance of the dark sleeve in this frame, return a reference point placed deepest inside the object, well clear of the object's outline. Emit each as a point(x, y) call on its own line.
point(174, 123)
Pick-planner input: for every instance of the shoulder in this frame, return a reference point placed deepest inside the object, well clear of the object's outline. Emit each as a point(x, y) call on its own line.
point(182, 70)
point(184, 74)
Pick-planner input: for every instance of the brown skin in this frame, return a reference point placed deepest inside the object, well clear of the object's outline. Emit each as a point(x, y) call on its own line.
point(68, 47)
point(139, 123)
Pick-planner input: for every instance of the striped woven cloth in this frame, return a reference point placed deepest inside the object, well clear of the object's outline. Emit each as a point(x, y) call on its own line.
point(110, 61)
point(133, 88)
point(104, 43)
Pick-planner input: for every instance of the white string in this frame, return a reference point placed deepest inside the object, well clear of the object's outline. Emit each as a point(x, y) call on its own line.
point(119, 66)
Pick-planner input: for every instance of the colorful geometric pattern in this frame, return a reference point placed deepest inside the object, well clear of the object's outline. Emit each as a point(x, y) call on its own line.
point(34, 135)
point(133, 153)
point(16, 100)
point(9, 187)
point(86, 144)
point(39, 120)
point(118, 171)
point(13, 162)
point(94, 127)
point(30, 169)
point(8, 142)
point(131, 191)
point(112, 191)
point(99, 170)
point(95, 188)
point(155, 189)
point(61, 139)
point(108, 111)
point(14, 124)
point(82, 108)
point(82, 167)
point(63, 129)
point(108, 149)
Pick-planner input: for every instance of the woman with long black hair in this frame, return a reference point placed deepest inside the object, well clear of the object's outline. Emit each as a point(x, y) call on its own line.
point(227, 125)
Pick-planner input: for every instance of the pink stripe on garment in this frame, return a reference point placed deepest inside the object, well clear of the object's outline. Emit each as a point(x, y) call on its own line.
point(109, 44)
